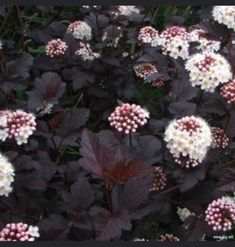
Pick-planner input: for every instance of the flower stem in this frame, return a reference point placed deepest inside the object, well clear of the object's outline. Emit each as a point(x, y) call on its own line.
point(130, 140)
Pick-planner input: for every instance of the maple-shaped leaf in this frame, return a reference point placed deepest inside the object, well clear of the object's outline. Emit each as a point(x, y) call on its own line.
point(68, 124)
point(109, 226)
point(78, 201)
point(227, 180)
point(109, 164)
point(53, 228)
point(94, 154)
point(196, 228)
point(47, 89)
point(124, 170)
point(21, 66)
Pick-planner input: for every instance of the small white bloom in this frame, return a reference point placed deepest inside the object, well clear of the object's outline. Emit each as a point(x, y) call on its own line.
point(85, 52)
point(127, 10)
point(33, 231)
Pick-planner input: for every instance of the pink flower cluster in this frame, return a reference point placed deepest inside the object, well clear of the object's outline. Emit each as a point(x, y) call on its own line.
point(17, 125)
point(175, 42)
point(157, 83)
point(168, 237)
point(19, 232)
point(228, 92)
point(159, 179)
point(147, 34)
point(220, 215)
point(143, 70)
point(219, 138)
point(128, 117)
point(56, 47)
point(206, 64)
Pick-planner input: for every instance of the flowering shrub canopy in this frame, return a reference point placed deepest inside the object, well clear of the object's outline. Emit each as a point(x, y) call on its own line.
point(117, 122)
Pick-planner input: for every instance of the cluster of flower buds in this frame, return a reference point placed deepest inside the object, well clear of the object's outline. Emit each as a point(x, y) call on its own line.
point(159, 179)
point(128, 117)
point(56, 47)
point(205, 70)
point(175, 42)
point(169, 237)
point(85, 52)
point(225, 15)
point(219, 138)
point(17, 125)
point(220, 214)
point(148, 34)
point(19, 232)
point(227, 91)
point(145, 70)
point(80, 30)
point(188, 140)
point(6, 176)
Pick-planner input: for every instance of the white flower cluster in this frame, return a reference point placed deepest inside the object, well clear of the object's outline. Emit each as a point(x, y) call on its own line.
point(183, 213)
point(205, 70)
point(149, 35)
point(127, 10)
point(80, 30)
point(85, 52)
point(1, 45)
point(175, 42)
point(6, 176)
point(225, 15)
point(199, 35)
point(188, 140)
point(45, 109)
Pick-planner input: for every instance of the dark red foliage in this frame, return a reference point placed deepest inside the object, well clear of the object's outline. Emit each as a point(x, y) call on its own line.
point(77, 178)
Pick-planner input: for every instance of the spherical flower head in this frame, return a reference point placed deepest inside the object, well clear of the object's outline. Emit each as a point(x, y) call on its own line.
point(143, 70)
point(175, 42)
point(219, 138)
point(19, 232)
point(228, 92)
point(168, 237)
point(56, 47)
point(188, 140)
point(128, 117)
point(225, 15)
point(85, 52)
point(20, 125)
point(159, 179)
point(6, 176)
point(127, 10)
point(148, 34)
point(220, 215)
point(204, 44)
point(80, 30)
point(205, 70)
